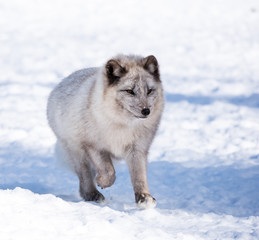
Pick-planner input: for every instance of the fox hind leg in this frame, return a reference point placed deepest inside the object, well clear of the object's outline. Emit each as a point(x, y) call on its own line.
point(77, 160)
point(87, 186)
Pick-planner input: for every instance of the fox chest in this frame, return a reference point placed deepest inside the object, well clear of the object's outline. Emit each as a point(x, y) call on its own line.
point(118, 140)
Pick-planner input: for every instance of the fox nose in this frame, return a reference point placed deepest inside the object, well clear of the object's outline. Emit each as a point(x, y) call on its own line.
point(145, 111)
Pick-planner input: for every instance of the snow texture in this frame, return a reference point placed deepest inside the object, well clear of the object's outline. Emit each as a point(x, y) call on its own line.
point(204, 162)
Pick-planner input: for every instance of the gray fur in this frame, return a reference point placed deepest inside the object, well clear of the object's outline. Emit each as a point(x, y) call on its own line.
point(96, 115)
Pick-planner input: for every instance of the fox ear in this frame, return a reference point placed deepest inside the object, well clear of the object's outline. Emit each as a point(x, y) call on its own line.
point(114, 71)
point(151, 65)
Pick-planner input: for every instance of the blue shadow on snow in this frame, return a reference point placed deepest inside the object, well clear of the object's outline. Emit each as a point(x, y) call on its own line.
point(250, 101)
point(220, 190)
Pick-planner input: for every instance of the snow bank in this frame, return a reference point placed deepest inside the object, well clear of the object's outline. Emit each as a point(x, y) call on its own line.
point(31, 216)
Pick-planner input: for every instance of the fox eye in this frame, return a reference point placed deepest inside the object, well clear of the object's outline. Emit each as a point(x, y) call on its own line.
point(131, 92)
point(150, 91)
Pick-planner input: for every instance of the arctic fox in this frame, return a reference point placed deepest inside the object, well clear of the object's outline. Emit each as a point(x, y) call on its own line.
point(111, 112)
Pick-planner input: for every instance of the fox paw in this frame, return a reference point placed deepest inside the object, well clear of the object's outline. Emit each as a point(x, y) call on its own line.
point(94, 196)
point(105, 180)
point(145, 200)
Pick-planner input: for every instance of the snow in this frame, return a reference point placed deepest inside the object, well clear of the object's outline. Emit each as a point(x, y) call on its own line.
point(204, 162)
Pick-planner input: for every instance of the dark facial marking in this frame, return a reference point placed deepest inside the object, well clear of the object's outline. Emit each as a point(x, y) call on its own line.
point(149, 91)
point(131, 92)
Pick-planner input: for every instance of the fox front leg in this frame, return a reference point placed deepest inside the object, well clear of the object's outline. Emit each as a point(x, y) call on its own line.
point(103, 166)
point(137, 164)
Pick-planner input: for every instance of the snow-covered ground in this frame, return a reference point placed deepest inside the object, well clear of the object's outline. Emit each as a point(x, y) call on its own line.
point(204, 162)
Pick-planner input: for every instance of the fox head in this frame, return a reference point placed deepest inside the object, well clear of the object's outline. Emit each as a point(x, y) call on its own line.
point(133, 86)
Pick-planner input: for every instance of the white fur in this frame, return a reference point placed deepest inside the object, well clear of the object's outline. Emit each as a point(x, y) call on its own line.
point(85, 114)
